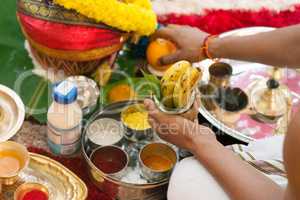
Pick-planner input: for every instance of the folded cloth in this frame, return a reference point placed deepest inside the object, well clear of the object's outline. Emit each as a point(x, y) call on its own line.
point(190, 180)
point(67, 37)
point(266, 155)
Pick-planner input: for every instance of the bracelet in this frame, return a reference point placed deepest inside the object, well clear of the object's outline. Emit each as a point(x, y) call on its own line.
point(204, 48)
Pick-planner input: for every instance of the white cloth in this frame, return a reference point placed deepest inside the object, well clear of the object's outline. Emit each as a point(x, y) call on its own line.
point(191, 181)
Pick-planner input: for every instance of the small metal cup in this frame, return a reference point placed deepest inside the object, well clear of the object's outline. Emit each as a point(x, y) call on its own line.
point(208, 95)
point(161, 150)
point(220, 74)
point(134, 134)
point(23, 189)
point(175, 111)
point(98, 125)
point(110, 155)
point(23, 157)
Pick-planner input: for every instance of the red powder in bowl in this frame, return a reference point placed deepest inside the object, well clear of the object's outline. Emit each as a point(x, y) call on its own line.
point(109, 159)
point(35, 195)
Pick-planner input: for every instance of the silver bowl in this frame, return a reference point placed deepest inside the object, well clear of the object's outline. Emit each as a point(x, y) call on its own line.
point(134, 134)
point(157, 149)
point(175, 111)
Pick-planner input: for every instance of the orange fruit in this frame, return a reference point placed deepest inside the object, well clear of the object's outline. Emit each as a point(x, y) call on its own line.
point(121, 92)
point(157, 49)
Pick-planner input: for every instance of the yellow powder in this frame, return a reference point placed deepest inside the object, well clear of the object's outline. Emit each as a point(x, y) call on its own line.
point(137, 120)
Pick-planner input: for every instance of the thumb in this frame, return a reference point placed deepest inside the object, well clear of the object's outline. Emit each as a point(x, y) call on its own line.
point(172, 58)
point(154, 113)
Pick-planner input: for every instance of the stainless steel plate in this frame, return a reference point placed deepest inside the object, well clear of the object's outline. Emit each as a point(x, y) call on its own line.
point(240, 125)
point(137, 188)
point(12, 113)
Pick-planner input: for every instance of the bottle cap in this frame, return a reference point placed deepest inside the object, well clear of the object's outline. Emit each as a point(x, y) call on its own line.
point(65, 92)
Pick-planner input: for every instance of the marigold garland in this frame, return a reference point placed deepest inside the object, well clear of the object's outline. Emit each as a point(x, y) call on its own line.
point(130, 15)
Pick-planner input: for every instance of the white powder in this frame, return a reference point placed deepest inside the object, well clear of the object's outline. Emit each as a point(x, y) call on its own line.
point(105, 131)
point(133, 176)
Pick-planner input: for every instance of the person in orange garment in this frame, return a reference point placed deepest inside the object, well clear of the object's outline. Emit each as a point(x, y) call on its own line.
point(223, 174)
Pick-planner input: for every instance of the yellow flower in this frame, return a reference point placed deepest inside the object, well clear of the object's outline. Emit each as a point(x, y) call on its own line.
point(130, 15)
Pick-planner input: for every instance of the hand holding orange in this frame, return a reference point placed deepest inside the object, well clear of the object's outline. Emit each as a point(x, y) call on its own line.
point(158, 49)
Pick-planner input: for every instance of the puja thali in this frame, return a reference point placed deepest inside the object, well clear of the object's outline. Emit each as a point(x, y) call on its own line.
point(61, 182)
point(242, 125)
point(131, 184)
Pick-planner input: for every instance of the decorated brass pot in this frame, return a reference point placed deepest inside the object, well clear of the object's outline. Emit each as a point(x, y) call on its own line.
point(61, 39)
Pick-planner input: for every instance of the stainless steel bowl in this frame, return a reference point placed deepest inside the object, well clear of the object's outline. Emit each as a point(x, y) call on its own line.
point(12, 113)
point(112, 154)
point(175, 111)
point(100, 125)
point(162, 151)
point(134, 134)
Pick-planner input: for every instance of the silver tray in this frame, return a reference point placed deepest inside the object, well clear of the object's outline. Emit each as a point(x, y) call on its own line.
point(118, 188)
point(243, 127)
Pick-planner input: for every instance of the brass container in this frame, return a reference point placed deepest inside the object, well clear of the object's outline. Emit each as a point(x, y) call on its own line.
point(159, 150)
point(269, 100)
point(72, 62)
point(23, 189)
point(23, 157)
point(220, 74)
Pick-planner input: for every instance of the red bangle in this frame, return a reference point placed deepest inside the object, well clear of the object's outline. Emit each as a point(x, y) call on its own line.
point(206, 42)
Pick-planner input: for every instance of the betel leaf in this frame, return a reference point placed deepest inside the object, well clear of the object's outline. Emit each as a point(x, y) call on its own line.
point(152, 83)
point(143, 88)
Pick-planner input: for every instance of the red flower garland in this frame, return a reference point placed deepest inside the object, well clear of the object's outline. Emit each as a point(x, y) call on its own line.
point(218, 21)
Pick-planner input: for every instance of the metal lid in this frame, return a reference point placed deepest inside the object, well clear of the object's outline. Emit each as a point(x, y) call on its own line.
point(88, 92)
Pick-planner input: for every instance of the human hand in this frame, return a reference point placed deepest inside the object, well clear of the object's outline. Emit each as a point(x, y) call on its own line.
point(178, 130)
point(189, 41)
point(192, 114)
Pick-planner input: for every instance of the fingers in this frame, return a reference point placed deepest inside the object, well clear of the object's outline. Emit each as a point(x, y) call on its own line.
point(197, 103)
point(154, 113)
point(192, 114)
point(165, 33)
point(150, 106)
point(172, 58)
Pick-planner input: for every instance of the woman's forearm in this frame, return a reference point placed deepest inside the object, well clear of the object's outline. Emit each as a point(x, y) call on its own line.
point(279, 48)
point(240, 180)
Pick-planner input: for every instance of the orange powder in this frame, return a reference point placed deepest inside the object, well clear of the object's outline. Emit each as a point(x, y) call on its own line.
point(158, 163)
point(9, 164)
